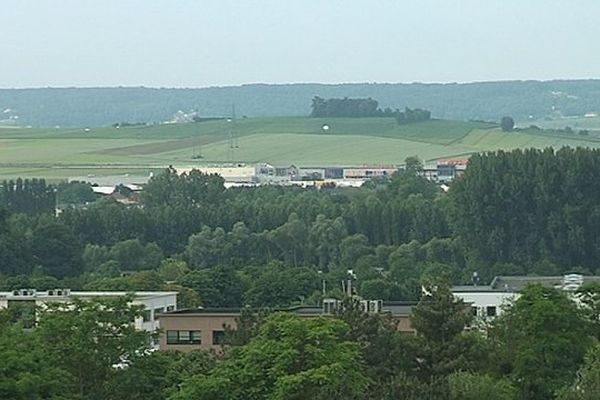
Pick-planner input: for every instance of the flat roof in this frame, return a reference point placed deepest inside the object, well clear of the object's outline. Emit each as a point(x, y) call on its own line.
point(511, 284)
point(83, 294)
point(395, 308)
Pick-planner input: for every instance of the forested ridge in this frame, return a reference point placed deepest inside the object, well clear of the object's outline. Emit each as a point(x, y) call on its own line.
point(519, 212)
point(48, 107)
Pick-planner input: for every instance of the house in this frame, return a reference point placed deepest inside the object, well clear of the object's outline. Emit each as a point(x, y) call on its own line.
point(204, 328)
point(487, 301)
point(154, 303)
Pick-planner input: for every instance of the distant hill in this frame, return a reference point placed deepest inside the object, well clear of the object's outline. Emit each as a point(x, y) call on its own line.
point(524, 100)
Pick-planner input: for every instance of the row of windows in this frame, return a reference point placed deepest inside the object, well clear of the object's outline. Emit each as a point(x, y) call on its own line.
point(193, 337)
point(490, 311)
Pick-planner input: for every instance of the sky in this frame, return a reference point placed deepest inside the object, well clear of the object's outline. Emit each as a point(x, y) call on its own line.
point(201, 43)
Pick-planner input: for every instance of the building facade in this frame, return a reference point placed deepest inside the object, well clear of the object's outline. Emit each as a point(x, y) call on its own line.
point(204, 328)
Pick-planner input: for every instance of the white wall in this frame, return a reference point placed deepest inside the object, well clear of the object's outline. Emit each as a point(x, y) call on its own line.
point(482, 300)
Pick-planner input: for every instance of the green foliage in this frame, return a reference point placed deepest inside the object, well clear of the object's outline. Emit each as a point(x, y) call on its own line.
point(27, 373)
point(73, 353)
point(87, 338)
point(542, 339)
point(277, 286)
point(589, 295)
point(188, 189)
point(587, 383)
point(289, 358)
point(74, 193)
point(528, 206)
point(507, 124)
point(217, 287)
point(409, 116)
point(30, 196)
point(55, 248)
point(344, 108)
point(132, 255)
point(440, 320)
point(469, 386)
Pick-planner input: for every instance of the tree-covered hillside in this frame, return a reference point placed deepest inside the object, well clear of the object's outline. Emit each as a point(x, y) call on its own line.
point(489, 101)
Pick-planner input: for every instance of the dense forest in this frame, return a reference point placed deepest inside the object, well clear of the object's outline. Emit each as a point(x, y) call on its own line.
point(520, 212)
point(480, 101)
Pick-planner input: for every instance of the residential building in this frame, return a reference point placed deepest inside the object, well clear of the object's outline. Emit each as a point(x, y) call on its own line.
point(204, 328)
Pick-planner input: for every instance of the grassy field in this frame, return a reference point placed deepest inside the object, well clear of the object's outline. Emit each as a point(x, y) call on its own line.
point(591, 123)
point(64, 153)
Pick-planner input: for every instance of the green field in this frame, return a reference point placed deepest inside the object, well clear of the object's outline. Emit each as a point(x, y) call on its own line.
point(63, 153)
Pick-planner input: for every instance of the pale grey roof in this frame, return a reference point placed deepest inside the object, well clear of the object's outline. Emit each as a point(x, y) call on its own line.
point(518, 283)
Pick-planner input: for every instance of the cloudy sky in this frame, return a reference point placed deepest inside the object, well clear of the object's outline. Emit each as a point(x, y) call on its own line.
point(185, 43)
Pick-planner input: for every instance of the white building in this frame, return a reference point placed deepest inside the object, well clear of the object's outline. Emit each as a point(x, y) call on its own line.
point(487, 301)
point(153, 302)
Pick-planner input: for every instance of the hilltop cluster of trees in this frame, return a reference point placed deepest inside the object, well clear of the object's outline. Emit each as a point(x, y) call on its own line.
point(345, 108)
point(544, 346)
point(360, 108)
point(409, 116)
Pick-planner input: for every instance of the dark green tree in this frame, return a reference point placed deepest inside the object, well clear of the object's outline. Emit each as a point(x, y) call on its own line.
point(507, 124)
point(542, 340)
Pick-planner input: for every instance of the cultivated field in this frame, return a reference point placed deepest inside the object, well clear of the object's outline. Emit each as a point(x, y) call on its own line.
point(63, 153)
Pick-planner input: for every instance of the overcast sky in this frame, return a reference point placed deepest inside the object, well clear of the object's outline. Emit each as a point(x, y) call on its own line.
point(185, 43)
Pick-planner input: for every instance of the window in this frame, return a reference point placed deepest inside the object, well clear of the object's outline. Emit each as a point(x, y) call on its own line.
point(218, 337)
point(474, 311)
point(157, 311)
point(172, 337)
point(491, 311)
point(184, 337)
point(146, 315)
point(196, 336)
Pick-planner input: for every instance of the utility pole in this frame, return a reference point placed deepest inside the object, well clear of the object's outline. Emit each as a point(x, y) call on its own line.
point(232, 143)
point(235, 131)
